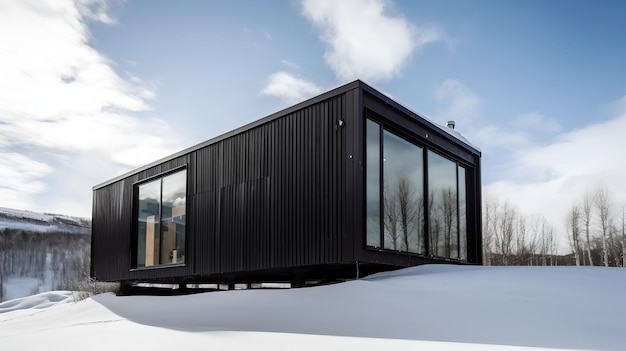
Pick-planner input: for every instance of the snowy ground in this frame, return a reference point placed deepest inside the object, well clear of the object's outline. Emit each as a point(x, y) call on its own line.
point(435, 307)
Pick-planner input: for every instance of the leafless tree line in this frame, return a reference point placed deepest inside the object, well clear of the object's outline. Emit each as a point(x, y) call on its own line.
point(512, 238)
point(596, 230)
point(404, 219)
point(594, 225)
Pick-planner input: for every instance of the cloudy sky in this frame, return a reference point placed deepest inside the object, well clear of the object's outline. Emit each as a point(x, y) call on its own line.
point(90, 89)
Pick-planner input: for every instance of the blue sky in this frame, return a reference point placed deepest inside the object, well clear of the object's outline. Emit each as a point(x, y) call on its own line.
point(93, 88)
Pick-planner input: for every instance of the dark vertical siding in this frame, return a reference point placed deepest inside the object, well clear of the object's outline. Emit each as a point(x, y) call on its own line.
point(268, 197)
point(111, 225)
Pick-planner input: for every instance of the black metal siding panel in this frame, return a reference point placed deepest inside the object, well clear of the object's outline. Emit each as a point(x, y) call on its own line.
point(269, 197)
point(353, 168)
point(274, 194)
point(110, 251)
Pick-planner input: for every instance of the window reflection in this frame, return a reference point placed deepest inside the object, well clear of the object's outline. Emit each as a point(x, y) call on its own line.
point(173, 218)
point(161, 220)
point(442, 206)
point(148, 223)
point(403, 198)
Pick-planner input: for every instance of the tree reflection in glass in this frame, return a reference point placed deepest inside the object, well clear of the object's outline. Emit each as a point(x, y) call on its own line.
point(442, 206)
point(403, 198)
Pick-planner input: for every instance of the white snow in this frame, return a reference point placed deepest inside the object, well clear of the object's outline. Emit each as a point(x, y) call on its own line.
point(16, 287)
point(433, 307)
point(35, 302)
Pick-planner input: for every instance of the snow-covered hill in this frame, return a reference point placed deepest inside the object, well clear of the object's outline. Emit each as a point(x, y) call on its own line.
point(43, 223)
point(42, 252)
point(437, 307)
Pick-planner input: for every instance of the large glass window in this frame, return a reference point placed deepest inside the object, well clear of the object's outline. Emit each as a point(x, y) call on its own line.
point(403, 197)
point(161, 220)
point(415, 198)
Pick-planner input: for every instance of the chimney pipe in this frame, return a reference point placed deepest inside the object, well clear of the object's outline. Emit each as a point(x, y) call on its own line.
point(450, 124)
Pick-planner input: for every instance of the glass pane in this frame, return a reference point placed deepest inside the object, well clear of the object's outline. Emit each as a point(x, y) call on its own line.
point(173, 218)
point(372, 176)
point(403, 195)
point(148, 223)
point(462, 216)
point(442, 206)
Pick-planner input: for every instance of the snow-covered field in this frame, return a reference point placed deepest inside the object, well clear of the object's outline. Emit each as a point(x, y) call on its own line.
point(434, 307)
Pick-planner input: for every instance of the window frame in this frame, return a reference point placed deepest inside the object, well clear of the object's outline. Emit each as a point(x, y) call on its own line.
point(135, 218)
point(426, 146)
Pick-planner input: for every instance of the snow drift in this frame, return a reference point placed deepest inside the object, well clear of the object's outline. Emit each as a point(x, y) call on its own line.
point(432, 307)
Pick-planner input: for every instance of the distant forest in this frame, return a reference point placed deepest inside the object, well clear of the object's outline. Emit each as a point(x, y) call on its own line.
point(59, 260)
point(595, 228)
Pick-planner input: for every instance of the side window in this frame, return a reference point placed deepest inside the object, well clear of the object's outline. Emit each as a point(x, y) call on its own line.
point(161, 220)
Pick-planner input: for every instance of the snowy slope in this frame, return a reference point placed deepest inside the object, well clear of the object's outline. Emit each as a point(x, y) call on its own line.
point(436, 307)
point(38, 222)
point(41, 252)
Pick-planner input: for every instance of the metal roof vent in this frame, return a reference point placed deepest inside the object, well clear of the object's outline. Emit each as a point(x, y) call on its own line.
point(450, 124)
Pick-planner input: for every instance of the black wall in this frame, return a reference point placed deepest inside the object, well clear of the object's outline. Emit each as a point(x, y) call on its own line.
point(269, 197)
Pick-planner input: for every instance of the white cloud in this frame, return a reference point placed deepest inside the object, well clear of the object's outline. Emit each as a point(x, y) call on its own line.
point(97, 10)
point(289, 88)
point(555, 176)
point(290, 65)
point(536, 122)
point(541, 175)
point(59, 96)
point(365, 39)
point(457, 102)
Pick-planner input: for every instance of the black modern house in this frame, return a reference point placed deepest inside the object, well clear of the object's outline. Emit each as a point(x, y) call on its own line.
point(342, 185)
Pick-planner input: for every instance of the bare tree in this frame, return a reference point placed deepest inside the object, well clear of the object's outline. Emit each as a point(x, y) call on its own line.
point(572, 224)
point(533, 241)
point(409, 208)
point(504, 231)
point(391, 218)
point(623, 236)
point(490, 207)
point(449, 212)
point(587, 204)
point(521, 249)
point(603, 205)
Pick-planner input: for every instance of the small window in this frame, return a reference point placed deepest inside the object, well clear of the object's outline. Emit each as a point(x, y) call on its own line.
point(161, 220)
